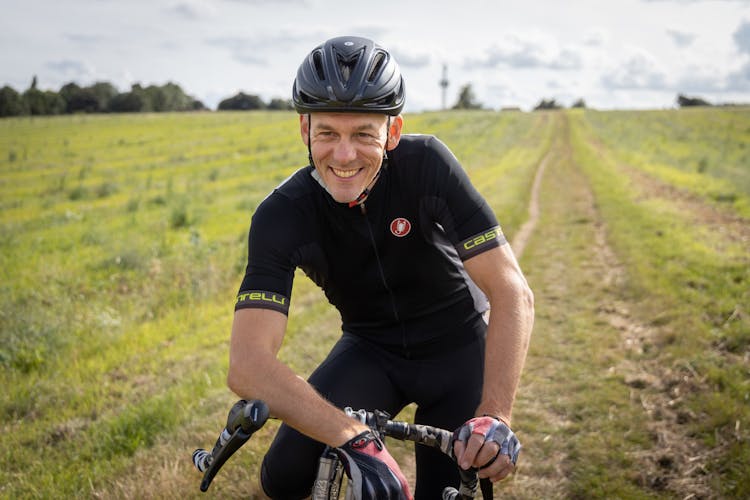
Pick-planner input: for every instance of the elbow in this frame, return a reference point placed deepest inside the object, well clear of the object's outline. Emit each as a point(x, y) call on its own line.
point(524, 306)
point(235, 381)
point(527, 297)
point(239, 379)
point(527, 305)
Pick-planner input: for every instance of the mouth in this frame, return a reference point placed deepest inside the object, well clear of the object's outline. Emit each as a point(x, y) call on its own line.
point(345, 174)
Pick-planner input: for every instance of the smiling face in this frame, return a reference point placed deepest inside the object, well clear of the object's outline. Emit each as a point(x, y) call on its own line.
point(347, 149)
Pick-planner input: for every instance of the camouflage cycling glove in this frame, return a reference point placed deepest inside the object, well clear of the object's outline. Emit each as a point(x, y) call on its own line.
point(372, 471)
point(491, 429)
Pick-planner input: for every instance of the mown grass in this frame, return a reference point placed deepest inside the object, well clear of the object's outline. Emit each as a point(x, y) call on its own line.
point(706, 152)
point(123, 240)
point(574, 414)
point(688, 276)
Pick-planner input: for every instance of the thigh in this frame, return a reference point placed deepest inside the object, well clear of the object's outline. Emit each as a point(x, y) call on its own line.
point(351, 375)
point(457, 396)
point(358, 374)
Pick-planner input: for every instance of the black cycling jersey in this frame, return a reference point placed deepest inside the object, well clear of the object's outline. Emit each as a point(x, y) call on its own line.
point(392, 266)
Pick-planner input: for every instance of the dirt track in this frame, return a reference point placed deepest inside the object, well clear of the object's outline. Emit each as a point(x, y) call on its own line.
point(675, 461)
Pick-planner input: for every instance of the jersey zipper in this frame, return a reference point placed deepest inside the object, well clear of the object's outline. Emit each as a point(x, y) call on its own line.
point(396, 316)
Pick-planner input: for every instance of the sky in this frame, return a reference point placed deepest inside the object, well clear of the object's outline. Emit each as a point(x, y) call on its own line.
point(613, 54)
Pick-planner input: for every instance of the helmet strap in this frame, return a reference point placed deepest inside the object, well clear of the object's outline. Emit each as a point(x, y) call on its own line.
point(309, 140)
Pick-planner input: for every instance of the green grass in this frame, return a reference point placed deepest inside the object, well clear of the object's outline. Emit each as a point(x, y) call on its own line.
point(123, 241)
point(705, 152)
point(692, 281)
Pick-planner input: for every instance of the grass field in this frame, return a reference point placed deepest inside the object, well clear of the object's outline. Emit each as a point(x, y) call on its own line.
point(123, 241)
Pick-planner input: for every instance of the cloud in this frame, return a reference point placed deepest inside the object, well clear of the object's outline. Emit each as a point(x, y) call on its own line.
point(639, 71)
point(681, 39)
point(410, 60)
point(740, 80)
point(85, 39)
point(742, 37)
point(698, 79)
point(69, 67)
point(264, 2)
point(242, 49)
point(519, 53)
point(192, 10)
point(694, 1)
point(61, 71)
point(595, 37)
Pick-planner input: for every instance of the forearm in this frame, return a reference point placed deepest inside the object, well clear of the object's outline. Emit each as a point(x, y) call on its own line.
point(508, 332)
point(294, 401)
point(256, 373)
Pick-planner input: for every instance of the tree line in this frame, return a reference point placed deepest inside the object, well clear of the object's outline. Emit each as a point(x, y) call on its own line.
point(103, 97)
point(467, 100)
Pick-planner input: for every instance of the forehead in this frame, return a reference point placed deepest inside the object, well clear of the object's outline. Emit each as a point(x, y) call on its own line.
point(348, 120)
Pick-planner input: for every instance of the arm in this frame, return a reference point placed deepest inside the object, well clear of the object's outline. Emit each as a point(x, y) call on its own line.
point(498, 274)
point(255, 372)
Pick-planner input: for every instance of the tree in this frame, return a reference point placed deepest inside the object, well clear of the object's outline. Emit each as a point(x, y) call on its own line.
point(128, 102)
point(580, 103)
point(78, 100)
point(280, 104)
point(547, 104)
point(685, 101)
point(54, 103)
point(11, 103)
point(467, 99)
point(243, 102)
point(104, 93)
point(43, 102)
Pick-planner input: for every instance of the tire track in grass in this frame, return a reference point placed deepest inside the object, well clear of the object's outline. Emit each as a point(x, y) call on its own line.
point(677, 462)
point(588, 346)
point(527, 228)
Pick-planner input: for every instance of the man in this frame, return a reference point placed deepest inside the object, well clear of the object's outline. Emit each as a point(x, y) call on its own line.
point(403, 246)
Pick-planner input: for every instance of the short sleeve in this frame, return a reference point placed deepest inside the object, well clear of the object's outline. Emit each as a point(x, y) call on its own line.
point(467, 220)
point(269, 274)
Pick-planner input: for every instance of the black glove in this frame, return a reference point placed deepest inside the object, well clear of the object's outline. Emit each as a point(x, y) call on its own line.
point(372, 471)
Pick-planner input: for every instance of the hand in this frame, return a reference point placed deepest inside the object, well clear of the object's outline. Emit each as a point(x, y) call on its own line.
point(372, 471)
point(488, 445)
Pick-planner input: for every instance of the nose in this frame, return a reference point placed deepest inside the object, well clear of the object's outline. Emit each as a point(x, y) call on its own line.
point(344, 152)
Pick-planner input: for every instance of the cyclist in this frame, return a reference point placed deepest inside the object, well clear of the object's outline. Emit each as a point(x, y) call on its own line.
point(390, 227)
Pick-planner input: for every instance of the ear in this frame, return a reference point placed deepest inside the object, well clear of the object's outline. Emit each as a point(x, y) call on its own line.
point(394, 134)
point(304, 126)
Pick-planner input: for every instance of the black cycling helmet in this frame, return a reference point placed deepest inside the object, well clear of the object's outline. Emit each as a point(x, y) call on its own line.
point(349, 74)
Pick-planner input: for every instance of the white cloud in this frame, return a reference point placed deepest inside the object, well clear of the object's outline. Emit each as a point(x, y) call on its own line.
point(410, 59)
point(523, 52)
point(595, 37)
point(639, 71)
point(681, 38)
point(742, 37)
point(739, 81)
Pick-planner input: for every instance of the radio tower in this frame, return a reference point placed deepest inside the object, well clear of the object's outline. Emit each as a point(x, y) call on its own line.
point(444, 82)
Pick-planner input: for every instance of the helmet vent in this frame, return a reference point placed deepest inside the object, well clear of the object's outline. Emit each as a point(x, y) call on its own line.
point(347, 65)
point(376, 66)
point(318, 65)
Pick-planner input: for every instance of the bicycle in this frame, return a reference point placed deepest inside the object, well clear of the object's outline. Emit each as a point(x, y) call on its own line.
point(246, 417)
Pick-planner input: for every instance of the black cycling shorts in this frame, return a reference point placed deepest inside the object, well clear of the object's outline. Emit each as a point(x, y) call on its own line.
point(445, 381)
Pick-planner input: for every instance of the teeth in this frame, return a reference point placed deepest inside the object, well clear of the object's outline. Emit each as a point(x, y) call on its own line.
point(344, 173)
